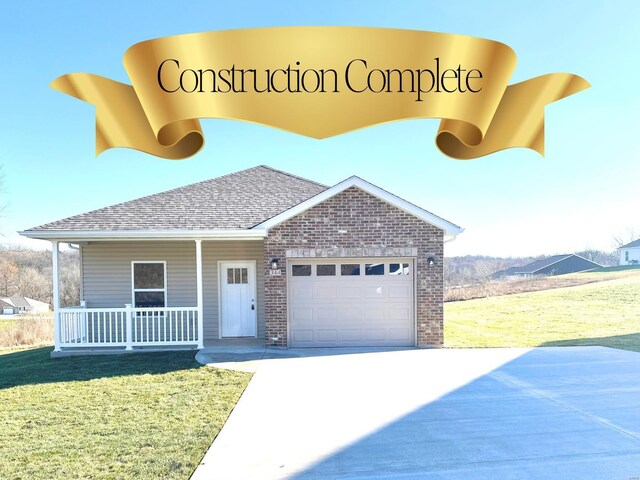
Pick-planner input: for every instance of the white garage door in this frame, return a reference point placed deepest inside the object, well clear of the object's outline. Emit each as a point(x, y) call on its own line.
point(351, 303)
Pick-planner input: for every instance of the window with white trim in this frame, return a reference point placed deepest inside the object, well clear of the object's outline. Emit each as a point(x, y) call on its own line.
point(149, 284)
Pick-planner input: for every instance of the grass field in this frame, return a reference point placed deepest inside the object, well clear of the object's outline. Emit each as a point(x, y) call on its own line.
point(510, 286)
point(145, 416)
point(26, 330)
point(603, 313)
point(6, 324)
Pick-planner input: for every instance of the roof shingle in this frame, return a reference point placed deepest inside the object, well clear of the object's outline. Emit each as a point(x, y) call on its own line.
point(634, 244)
point(236, 201)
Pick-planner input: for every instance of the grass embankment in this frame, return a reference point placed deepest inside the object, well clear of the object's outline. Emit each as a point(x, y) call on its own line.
point(604, 313)
point(149, 415)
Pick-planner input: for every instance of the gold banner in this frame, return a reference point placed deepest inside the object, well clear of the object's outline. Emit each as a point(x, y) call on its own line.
point(319, 82)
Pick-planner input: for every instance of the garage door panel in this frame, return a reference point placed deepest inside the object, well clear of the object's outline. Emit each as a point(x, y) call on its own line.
point(399, 334)
point(302, 315)
point(352, 310)
point(400, 291)
point(347, 291)
point(374, 291)
point(350, 314)
point(397, 313)
point(375, 314)
point(376, 334)
point(351, 335)
point(327, 335)
point(303, 292)
point(322, 292)
point(329, 313)
point(300, 336)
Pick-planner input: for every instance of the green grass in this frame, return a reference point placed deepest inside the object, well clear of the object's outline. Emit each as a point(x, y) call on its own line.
point(605, 313)
point(149, 416)
point(619, 268)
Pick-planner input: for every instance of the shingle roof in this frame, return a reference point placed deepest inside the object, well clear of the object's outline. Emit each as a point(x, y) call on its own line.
point(532, 267)
point(635, 243)
point(538, 264)
point(236, 201)
point(19, 301)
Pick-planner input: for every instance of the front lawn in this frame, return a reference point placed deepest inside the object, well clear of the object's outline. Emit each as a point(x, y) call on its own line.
point(143, 416)
point(604, 313)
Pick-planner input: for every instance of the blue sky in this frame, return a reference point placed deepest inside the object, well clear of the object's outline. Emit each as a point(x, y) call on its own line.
point(583, 192)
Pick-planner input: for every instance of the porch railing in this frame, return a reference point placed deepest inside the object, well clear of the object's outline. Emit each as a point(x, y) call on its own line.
point(128, 327)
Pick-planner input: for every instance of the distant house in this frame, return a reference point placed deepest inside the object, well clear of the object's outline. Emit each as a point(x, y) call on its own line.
point(16, 304)
point(554, 265)
point(630, 253)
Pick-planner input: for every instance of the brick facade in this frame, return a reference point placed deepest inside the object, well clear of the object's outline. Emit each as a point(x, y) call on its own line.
point(354, 223)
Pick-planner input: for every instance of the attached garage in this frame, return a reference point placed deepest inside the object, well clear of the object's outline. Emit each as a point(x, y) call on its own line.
point(351, 302)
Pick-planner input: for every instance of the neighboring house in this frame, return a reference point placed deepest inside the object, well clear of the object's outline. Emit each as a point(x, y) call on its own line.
point(257, 254)
point(554, 265)
point(17, 304)
point(630, 253)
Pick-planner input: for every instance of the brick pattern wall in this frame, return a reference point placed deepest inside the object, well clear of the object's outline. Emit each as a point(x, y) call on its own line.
point(355, 221)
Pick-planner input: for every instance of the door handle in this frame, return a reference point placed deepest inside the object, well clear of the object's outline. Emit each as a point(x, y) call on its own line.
point(253, 305)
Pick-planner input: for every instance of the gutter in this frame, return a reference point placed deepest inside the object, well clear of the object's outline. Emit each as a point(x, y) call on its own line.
point(114, 235)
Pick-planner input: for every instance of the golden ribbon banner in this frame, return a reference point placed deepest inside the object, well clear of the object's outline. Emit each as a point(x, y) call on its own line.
point(319, 82)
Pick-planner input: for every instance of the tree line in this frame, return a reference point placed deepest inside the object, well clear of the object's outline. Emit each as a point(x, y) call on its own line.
point(28, 273)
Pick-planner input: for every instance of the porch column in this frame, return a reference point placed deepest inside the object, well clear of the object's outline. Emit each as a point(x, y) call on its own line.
point(55, 254)
point(200, 294)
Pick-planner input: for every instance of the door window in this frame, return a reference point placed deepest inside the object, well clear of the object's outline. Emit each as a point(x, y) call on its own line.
point(237, 276)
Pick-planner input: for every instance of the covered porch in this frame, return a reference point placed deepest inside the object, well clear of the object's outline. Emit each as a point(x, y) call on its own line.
point(101, 324)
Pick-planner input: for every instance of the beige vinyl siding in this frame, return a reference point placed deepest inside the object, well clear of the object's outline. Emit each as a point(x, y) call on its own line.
point(106, 273)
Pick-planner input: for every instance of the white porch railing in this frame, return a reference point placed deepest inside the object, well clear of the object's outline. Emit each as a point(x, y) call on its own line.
point(128, 327)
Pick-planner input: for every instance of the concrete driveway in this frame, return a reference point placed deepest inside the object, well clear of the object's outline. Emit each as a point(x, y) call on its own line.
point(565, 413)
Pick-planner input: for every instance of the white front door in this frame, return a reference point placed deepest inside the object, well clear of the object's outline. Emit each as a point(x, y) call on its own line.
point(238, 299)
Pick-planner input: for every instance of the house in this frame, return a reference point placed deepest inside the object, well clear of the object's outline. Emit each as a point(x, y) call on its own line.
point(630, 253)
point(259, 254)
point(17, 304)
point(554, 265)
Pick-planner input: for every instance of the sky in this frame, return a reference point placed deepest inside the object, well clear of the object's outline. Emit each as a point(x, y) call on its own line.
point(585, 191)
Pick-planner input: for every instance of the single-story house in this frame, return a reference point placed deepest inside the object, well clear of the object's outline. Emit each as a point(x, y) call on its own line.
point(630, 253)
point(259, 254)
point(18, 304)
point(554, 265)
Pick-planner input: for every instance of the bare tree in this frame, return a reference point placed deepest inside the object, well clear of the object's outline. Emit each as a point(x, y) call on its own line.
point(8, 277)
point(620, 240)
